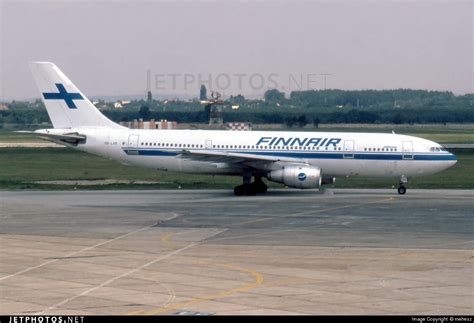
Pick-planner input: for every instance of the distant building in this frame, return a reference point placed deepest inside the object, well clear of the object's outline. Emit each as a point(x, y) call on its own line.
point(239, 126)
point(203, 93)
point(119, 104)
point(3, 107)
point(152, 124)
point(165, 124)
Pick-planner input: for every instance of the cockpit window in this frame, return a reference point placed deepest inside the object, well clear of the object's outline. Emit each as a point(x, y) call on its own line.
point(437, 149)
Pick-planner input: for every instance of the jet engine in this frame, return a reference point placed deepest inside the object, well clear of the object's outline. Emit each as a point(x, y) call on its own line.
point(297, 176)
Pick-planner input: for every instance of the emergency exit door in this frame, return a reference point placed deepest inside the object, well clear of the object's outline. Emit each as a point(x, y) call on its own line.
point(348, 149)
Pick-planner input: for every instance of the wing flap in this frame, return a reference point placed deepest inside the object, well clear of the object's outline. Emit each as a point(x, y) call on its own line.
point(237, 158)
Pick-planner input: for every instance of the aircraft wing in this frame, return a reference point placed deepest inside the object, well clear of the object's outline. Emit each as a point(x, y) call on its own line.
point(255, 160)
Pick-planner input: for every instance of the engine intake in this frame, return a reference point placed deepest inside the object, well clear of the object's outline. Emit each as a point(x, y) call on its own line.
point(297, 176)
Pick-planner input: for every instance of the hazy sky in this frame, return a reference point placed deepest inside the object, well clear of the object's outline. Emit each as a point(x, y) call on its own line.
point(112, 48)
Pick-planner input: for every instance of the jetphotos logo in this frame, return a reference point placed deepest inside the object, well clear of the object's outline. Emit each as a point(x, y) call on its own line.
point(46, 319)
point(235, 82)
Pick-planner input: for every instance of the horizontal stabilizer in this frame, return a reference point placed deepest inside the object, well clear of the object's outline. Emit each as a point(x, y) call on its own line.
point(65, 138)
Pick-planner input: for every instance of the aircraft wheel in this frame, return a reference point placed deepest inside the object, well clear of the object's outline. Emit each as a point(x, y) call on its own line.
point(245, 189)
point(250, 189)
point(260, 187)
point(402, 190)
point(239, 190)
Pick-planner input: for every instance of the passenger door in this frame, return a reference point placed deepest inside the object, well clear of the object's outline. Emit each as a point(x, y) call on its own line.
point(407, 148)
point(133, 141)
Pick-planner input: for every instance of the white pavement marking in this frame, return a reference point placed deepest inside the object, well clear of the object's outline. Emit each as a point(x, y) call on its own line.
point(118, 277)
point(82, 250)
point(111, 280)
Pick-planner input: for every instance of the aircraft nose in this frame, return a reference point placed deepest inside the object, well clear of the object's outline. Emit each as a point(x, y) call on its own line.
point(452, 160)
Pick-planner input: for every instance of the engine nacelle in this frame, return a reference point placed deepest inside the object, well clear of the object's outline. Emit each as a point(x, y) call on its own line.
point(297, 176)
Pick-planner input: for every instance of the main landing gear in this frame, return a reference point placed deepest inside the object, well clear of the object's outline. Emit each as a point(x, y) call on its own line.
point(248, 188)
point(401, 189)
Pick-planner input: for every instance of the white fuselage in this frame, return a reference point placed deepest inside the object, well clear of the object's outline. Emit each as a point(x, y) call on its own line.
point(335, 153)
point(297, 159)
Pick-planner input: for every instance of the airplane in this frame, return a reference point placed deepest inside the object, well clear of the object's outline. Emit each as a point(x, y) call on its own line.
point(303, 160)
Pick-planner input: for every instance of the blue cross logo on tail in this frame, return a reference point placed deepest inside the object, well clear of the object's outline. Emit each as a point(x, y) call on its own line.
point(64, 95)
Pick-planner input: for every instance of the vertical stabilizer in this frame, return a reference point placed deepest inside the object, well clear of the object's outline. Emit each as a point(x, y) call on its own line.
point(67, 107)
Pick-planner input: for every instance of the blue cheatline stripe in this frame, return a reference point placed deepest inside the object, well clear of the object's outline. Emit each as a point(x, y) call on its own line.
point(143, 152)
point(311, 155)
point(436, 157)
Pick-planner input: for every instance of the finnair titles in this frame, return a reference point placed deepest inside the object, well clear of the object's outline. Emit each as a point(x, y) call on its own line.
point(311, 142)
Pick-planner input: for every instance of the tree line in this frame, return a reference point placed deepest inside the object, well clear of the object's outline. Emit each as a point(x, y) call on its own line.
point(299, 109)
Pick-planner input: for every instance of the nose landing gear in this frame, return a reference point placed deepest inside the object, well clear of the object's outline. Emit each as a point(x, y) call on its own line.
point(401, 189)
